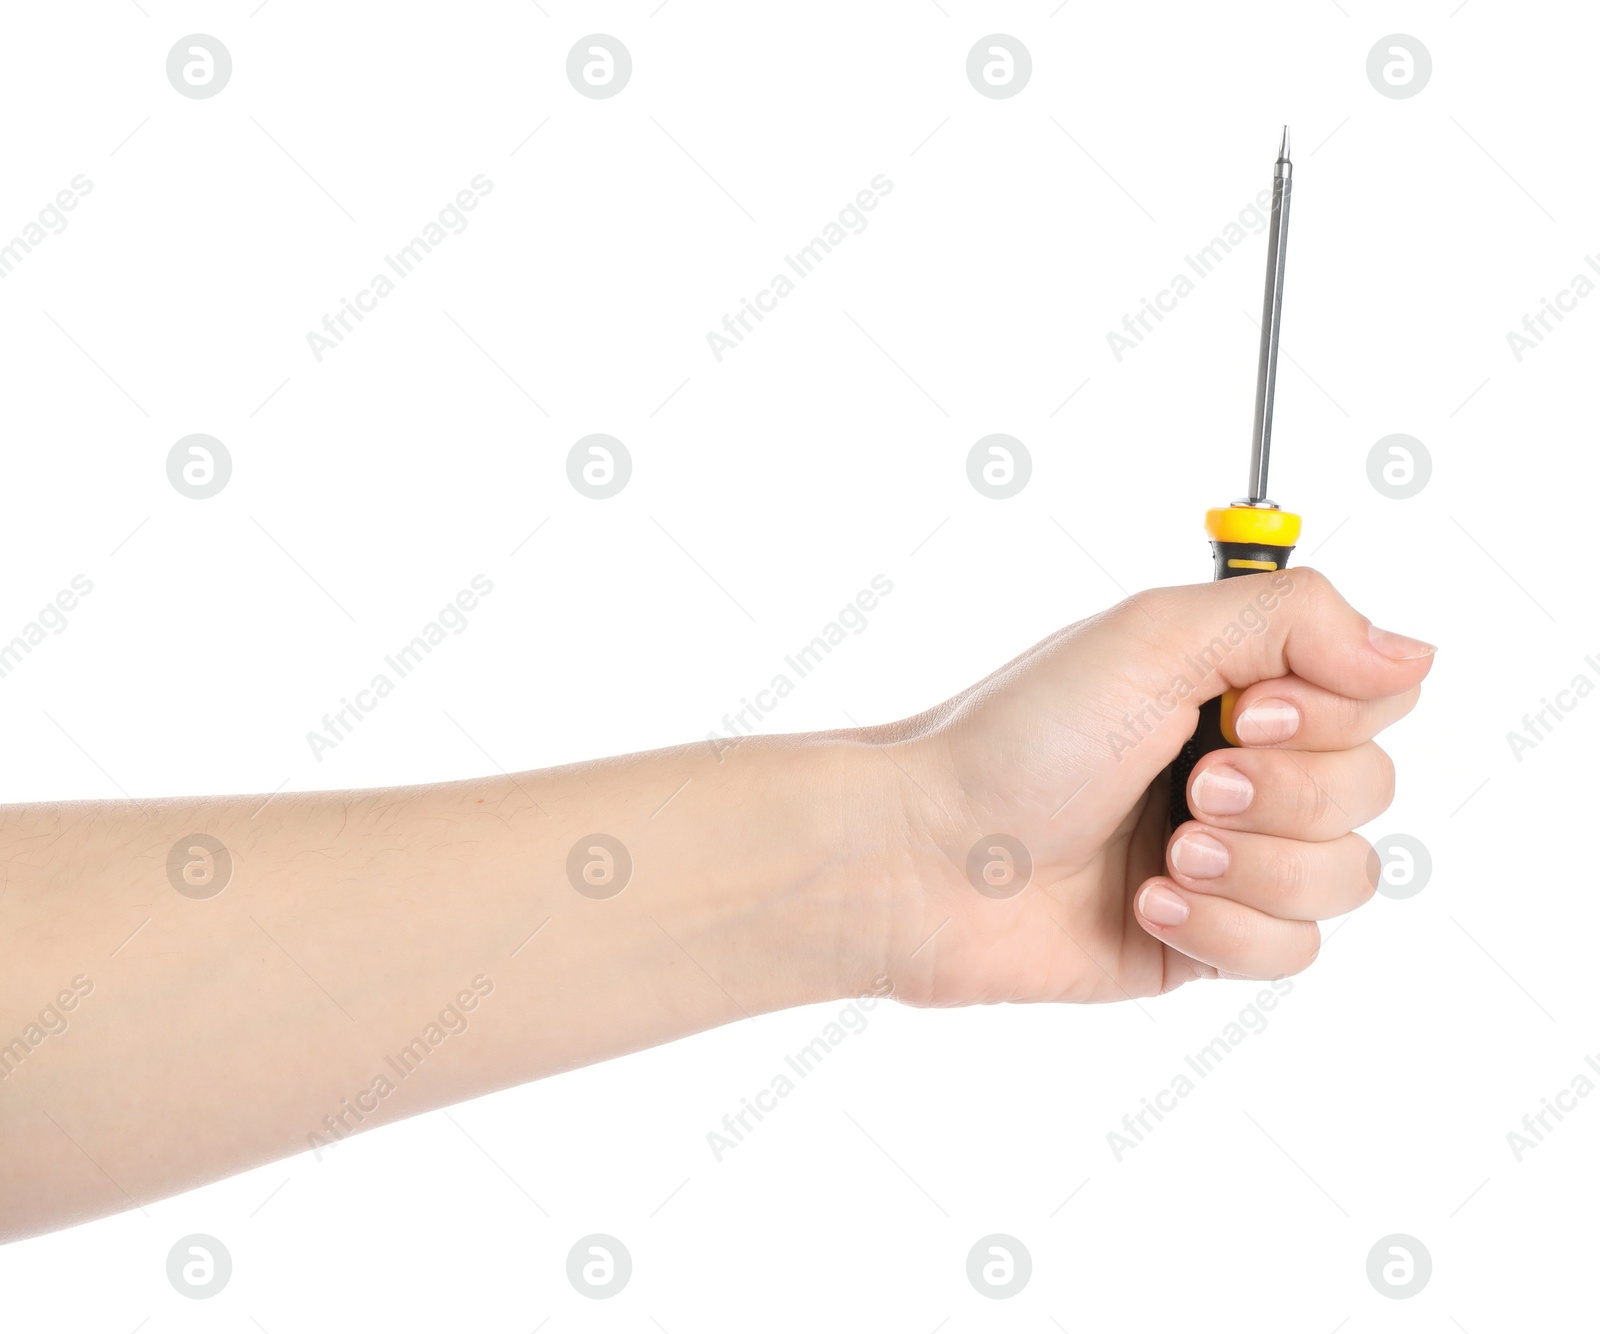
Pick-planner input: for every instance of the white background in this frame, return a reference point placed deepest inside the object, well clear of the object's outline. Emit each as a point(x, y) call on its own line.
point(369, 488)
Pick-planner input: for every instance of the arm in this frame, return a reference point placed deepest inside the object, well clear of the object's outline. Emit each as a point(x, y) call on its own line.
point(377, 954)
point(372, 955)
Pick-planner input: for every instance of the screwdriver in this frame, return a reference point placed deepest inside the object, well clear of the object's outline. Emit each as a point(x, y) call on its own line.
point(1251, 534)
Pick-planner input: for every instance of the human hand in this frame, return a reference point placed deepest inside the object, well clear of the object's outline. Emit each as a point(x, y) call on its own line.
point(1061, 759)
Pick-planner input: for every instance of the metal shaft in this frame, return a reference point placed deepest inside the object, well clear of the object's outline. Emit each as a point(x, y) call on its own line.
point(1271, 322)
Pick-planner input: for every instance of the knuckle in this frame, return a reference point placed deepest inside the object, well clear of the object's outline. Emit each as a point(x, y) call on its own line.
point(1311, 583)
point(1145, 606)
point(1137, 618)
point(1348, 716)
point(1237, 935)
point(1310, 803)
point(1290, 873)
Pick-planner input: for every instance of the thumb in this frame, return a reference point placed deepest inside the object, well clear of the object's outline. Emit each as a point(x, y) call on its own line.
point(1236, 632)
point(1183, 646)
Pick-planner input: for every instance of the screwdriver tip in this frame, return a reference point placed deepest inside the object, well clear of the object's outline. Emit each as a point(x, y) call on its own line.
point(1283, 148)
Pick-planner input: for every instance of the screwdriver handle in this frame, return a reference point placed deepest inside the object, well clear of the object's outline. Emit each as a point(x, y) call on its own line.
point(1245, 539)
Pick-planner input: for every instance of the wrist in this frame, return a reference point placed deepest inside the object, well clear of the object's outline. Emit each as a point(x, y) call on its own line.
point(869, 842)
point(813, 830)
point(766, 874)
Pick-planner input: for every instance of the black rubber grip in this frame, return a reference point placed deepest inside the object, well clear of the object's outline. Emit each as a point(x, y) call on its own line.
point(1231, 559)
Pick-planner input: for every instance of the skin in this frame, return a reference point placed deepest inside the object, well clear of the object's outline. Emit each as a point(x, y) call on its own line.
point(230, 1030)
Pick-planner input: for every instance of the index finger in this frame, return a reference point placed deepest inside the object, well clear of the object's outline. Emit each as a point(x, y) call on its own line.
point(1292, 714)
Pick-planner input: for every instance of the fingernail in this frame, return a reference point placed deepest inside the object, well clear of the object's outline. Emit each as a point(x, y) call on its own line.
point(1198, 855)
point(1399, 647)
point(1266, 721)
point(1221, 790)
point(1161, 906)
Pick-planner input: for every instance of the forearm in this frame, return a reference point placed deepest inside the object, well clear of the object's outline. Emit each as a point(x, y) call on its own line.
point(377, 954)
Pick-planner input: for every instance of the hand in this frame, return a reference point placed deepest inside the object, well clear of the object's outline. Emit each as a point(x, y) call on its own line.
point(1061, 759)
